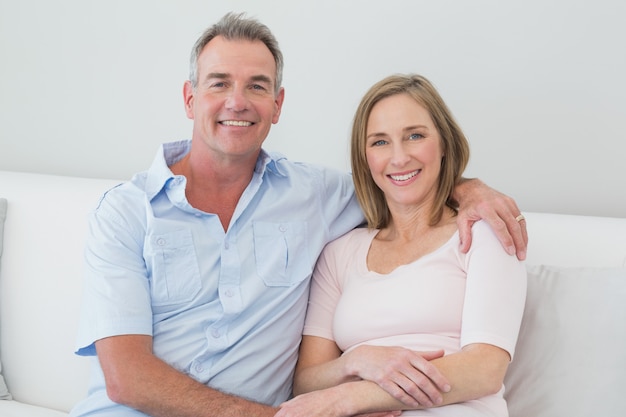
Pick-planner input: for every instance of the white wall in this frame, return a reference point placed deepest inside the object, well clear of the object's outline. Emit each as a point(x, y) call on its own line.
point(90, 88)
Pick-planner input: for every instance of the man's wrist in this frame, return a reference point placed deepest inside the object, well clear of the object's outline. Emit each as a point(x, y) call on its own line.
point(343, 401)
point(464, 187)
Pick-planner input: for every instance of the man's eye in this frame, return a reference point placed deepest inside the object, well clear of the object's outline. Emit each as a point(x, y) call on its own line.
point(218, 85)
point(258, 87)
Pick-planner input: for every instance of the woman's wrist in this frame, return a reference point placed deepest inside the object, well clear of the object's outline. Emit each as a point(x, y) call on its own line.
point(350, 367)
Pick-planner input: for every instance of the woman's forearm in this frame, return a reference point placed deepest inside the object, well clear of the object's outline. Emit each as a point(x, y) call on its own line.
point(326, 375)
point(360, 397)
point(476, 371)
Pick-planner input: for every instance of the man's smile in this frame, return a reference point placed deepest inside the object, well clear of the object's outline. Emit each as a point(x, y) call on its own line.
point(241, 123)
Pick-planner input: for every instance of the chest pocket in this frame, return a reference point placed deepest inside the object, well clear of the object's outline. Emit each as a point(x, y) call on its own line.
point(175, 276)
point(281, 253)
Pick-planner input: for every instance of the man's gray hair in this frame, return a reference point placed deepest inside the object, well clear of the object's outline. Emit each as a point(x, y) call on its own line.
point(237, 26)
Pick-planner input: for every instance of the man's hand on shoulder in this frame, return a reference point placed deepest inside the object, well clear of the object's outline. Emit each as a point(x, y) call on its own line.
point(478, 201)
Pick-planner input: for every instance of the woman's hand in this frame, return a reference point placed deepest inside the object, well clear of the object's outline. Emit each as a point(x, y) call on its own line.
point(406, 375)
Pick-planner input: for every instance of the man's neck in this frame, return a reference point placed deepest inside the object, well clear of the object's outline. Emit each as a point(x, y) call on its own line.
point(216, 186)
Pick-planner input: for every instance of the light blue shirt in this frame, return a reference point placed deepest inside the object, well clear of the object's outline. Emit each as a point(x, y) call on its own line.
point(226, 308)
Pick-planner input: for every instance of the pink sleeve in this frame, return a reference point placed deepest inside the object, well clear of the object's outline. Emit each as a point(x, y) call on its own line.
point(495, 292)
point(325, 292)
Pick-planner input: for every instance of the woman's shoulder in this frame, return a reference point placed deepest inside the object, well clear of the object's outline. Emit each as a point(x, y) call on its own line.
point(482, 229)
point(356, 235)
point(351, 241)
point(485, 240)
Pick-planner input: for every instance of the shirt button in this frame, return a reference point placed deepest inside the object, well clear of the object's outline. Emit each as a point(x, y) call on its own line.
point(215, 333)
point(229, 293)
point(160, 241)
point(226, 245)
point(282, 228)
point(199, 368)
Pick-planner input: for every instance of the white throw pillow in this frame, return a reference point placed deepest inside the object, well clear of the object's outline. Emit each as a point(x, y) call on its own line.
point(570, 358)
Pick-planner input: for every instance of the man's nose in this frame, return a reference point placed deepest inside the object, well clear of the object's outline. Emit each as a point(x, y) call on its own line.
point(237, 100)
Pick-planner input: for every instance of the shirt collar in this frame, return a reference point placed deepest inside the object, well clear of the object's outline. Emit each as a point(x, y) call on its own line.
point(159, 173)
point(272, 162)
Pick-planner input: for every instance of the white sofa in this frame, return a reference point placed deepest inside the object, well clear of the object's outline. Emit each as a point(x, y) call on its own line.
point(570, 360)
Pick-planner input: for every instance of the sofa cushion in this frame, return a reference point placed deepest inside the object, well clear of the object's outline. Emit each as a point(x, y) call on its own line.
point(4, 392)
point(19, 409)
point(569, 359)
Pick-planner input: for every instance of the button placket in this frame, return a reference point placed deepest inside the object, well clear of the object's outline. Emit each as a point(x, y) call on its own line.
point(230, 275)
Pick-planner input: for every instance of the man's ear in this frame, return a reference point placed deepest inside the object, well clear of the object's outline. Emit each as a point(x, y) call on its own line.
point(278, 101)
point(188, 96)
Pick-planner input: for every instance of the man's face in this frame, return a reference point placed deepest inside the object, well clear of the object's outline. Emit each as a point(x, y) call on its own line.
point(234, 104)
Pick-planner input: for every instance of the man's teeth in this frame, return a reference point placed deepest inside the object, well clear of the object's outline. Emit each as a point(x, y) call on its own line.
point(404, 177)
point(236, 123)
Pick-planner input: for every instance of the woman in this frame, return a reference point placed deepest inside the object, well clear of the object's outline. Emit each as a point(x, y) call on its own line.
point(399, 318)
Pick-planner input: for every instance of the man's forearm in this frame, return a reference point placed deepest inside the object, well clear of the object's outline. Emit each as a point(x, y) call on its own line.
point(169, 393)
point(138, 379)
point(197, 400)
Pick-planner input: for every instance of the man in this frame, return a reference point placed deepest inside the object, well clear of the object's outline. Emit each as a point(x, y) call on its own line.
point(198, 269)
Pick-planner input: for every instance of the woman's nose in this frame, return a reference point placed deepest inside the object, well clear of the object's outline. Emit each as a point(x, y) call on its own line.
point(399, 156)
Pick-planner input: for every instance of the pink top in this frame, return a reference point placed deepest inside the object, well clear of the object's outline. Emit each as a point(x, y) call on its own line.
point(445, 299)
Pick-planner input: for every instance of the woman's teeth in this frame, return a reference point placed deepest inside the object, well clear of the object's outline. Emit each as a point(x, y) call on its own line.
point(405, 176)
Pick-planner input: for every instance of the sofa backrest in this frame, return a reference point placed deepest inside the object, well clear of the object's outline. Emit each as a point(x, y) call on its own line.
point(576, 241)
point(41, 283)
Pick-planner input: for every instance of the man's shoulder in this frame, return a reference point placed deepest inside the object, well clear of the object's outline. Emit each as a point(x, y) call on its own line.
point(126, 196)
point(136, 186)
point(281, 161)
point(287, 167)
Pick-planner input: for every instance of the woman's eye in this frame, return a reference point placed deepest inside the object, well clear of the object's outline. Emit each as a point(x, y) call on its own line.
point(415, 136)
point(379, 142)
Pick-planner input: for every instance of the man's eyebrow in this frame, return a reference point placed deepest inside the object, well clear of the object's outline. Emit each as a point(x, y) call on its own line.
point(224, 76)
point(262, 78)
point(218, 75)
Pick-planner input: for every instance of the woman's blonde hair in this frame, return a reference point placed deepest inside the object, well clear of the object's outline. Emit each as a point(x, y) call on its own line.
point(453, 142)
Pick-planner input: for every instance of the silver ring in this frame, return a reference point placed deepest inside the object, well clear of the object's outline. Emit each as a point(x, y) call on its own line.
point(520, 218)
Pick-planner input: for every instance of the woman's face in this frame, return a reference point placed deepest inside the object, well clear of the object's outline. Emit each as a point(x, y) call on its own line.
point(403, 150)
